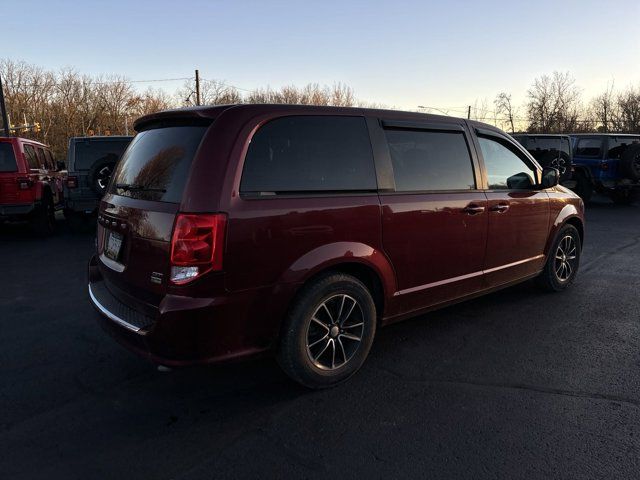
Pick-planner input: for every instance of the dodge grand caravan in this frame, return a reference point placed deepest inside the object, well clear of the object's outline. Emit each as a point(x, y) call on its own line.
point(233, 231)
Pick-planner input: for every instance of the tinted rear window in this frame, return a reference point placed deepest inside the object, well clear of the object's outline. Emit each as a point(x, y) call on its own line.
point(540, 145)
point(617, 145)
point(90, 152)
point(424, 160)
point(156, 164)
point(7, 158)
point(310, 154)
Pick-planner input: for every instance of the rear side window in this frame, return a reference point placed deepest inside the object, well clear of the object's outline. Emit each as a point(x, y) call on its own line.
point(309, 154)
point(589, 147)
point(7, 158)
point(505, 169)
point(156, 164)
point(90, 152)
point(30, 155)
point(430, 160)
point(617, 145)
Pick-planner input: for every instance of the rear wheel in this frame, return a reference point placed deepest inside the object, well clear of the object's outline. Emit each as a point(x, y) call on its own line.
point(43, 221)
point(563, 261)
point(630, 162)
point(328, 331)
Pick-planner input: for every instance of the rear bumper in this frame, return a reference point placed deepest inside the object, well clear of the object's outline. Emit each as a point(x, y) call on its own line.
point(181, 331)
point(15, 211)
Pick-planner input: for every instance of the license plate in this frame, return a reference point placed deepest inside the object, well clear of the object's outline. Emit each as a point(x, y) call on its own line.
point(114, 243)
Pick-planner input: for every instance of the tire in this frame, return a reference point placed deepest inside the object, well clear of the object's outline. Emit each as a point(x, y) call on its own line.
point(623, 196)
point(566, 250)
point(630, 162)
point(43, 222)
point(583, 187)
point(99, 175)
point(318, 348)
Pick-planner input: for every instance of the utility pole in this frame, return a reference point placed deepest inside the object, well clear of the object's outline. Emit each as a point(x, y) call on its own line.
point(197, 87)
point(3, 107)
point(469, 113)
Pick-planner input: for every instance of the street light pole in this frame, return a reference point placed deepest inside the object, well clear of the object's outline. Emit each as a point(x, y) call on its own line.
point(3, 107)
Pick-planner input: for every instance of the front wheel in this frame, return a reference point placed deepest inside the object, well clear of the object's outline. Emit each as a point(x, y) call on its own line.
point(563, 261)
point(328, 331)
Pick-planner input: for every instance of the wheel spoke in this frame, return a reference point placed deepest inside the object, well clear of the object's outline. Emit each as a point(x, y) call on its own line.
point(355, 325)
point(321, 323)
point(350, 337)
point(322, 351)
point(344, 355)
point(324, 304)
point(346, 317)
point(569, 269)
point(333, 353)
point(319, 340)
point(341, 307)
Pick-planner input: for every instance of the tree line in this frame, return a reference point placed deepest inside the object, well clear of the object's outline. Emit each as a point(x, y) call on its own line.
point(66, 103)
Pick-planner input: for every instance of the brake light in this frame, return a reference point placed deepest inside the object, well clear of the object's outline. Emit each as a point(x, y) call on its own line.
point(196, 245)
point(24, 183)
point(72, 182)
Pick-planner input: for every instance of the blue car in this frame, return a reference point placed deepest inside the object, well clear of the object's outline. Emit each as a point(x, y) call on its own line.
point(610, 163)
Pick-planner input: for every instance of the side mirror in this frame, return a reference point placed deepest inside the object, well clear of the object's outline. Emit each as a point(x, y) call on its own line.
point(550, 177)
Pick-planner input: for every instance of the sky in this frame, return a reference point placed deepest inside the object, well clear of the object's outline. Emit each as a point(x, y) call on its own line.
point(398, 53)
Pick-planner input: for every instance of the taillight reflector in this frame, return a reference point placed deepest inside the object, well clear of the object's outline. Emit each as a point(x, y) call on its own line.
point(72, 182)
point(24, 183)
point(196, 245)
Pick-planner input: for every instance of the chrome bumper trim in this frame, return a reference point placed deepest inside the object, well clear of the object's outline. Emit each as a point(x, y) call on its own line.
point(110, 315)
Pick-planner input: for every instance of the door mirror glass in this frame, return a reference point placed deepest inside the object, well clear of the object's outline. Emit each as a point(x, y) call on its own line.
point(550, 177)
point(520, 181)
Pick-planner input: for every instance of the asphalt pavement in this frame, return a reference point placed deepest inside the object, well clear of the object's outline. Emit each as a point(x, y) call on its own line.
point(517, 384)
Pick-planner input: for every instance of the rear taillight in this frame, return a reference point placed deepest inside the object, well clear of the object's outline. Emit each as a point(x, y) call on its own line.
point(24, 183)
point(196, 245)
point(72, 182)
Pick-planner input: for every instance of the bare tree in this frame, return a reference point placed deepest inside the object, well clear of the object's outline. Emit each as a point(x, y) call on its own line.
point(603, 111)
point(628, 104)
point(553, 104)
point(504, 106)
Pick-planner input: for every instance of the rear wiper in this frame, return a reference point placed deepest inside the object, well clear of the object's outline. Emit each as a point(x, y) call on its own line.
point(127, 187)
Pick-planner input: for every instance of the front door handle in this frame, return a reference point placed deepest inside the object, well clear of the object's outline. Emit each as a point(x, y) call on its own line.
point(473, 209)
point(500, 208)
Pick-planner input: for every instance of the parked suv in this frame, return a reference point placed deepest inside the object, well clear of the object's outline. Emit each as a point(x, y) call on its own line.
point(610, 162)
point(90, 161)
point(232, 231)
point(31, 183)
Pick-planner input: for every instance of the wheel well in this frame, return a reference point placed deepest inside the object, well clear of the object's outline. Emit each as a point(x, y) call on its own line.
point(578, 224)
point(365, 274)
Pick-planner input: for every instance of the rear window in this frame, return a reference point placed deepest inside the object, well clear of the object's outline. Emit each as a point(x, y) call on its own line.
point(540, 145)
point(310, 154)
point(7, 158)
point(90, 152)
point(156, 164)
point(617, 145)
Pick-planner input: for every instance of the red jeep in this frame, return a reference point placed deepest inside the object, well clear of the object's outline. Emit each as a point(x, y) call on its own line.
point(31, 183)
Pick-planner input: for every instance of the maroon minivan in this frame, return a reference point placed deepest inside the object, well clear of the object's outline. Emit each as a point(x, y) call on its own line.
point(237, 230)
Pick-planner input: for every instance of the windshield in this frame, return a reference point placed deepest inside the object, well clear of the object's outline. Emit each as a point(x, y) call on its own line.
point(7, 158)
point(156, 164)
